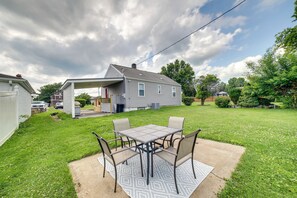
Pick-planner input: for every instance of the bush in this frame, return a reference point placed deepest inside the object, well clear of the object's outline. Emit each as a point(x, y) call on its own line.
point(264, 101)
point(248, 97)
point(248, 101)
point(81, 101)
point(222, 101)
point(234, 95)
point(188, 100)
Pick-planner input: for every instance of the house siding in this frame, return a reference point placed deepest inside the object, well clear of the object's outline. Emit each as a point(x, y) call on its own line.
point(5, 87)
point(24, 104)
point(116, 93)
point(8, 114)
point(112, 73)
point(151, 94)
point(15, 107)
point(24, 99)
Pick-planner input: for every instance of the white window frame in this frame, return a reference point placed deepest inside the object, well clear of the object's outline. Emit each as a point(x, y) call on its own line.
point(173, 91)
point(141, 83)
point(159, 89)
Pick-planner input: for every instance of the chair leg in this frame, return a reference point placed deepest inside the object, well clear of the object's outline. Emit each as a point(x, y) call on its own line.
point(104, 163)
point(115, 141)
point(116, 178)
point(141, 166)
point(193, 167)
point(174, 171)
point(122, 143)
point(152, 164)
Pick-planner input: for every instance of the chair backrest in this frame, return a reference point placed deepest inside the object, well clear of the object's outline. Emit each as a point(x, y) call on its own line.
point(121, 124)
point(176, 122)
point(103, 145)
point(186, 145)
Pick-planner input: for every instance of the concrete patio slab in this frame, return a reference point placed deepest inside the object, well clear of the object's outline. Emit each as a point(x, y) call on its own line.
point(88, 178)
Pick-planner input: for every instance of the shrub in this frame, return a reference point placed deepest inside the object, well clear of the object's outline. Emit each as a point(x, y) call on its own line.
point(188, 100)
point(248, 97)
point(289, 102)
point(234, 94)
point(248, 101)
point(264, 101)
point(222, 101)
point(81, 101)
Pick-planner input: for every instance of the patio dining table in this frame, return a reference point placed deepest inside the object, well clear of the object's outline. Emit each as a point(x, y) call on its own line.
point(147, 135)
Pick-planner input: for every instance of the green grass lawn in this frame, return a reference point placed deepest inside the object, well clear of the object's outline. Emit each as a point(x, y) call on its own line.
point(88, 107)
point(34, 161)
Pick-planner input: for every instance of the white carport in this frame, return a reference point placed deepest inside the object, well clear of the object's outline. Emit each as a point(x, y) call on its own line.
point(71, 84)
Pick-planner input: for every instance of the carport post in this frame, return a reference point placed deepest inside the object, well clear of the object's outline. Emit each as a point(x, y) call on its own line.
point(72, 100)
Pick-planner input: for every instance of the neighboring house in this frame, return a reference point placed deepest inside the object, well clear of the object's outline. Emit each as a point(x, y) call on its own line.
point(221, 93)
point(126, 88)
point(56, 97)
point(15, 104)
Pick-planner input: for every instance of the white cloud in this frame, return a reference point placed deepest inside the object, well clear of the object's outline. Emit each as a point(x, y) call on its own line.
point(52, 40)
point(207, 43)
point(236, 69)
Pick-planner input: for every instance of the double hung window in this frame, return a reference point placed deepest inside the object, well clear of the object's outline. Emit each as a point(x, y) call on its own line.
point(141, 89)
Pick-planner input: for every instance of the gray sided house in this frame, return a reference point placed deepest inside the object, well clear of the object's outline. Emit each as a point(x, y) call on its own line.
point(15, 103)
point(139, 89)
point(127, 88)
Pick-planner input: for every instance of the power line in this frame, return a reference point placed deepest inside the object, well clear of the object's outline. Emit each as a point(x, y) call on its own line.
point(192, 32)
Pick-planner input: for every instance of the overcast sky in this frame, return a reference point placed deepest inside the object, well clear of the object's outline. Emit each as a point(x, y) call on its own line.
point(50, 41)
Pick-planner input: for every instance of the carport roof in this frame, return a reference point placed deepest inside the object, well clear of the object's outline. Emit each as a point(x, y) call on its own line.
point(91, 82)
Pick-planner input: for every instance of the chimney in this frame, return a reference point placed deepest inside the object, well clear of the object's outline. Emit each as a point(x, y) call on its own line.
point(133, 65)
point(18, 76)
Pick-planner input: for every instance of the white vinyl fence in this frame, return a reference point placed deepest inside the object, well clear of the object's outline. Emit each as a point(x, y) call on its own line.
point(8, 115)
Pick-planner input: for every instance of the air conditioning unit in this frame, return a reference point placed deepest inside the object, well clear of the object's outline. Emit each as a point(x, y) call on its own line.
point(155, 105)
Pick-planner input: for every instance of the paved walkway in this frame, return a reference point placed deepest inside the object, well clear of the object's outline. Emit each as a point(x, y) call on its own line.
point(87, 173)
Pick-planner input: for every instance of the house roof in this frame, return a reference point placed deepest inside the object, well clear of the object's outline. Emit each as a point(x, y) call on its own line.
point(21, 81)
point(132, 73)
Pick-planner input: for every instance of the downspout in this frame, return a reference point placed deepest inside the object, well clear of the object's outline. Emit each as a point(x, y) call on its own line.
point(127, 102)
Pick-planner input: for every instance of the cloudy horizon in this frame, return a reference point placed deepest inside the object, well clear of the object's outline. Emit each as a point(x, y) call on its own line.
point(50, 41)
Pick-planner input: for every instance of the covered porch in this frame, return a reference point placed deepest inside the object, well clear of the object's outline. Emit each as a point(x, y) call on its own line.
point(104, 104)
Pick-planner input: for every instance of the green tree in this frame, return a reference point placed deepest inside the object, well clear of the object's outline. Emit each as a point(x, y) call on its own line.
point(234, 95)
point(249, 97)
point(275, 76)
point(235, 82)
point(205, 85)
point(221, 87)
point(261, 73)
point(47, 91)
point(182, 73)
point(85, 96)
point(288, 37)
point(234, 88)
